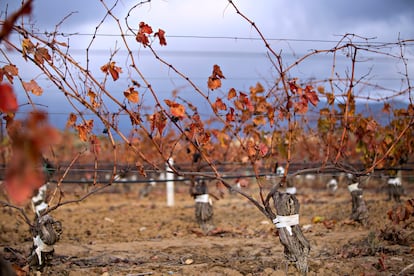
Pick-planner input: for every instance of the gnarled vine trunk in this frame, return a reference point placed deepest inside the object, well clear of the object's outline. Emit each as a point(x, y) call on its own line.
point(359, 208)
point(203, 206)
point(395, 189)
point(46, 232)
point(296, 246)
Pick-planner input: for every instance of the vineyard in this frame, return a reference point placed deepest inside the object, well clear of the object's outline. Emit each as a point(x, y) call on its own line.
point(107, 169)
point(124, 233)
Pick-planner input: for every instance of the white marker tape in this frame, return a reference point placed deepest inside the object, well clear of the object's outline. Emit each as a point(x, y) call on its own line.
point(204, 198)
point(353, 187)
point(41, 207)
point(286, 222)
point(394, 181)
point(291, 190)
point(41, 247)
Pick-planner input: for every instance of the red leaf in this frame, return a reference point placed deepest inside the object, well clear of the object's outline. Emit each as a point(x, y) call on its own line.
point(263, 149)
point(143, 32)
point(29, 139)
point(311, 95)
point(8, 24)
point(8, 100)
point(145, 28)
point(21, 184)
point(161, 36)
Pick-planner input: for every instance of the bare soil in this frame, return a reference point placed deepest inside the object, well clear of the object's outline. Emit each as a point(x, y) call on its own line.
point(122, 234)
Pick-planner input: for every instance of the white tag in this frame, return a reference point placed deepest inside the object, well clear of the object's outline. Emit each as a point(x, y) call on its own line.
point(291, 190)
point(286, 222)
point(41, 207)
point(41, 247)
point(394, 181)
point(202, 198)
point(353, 187)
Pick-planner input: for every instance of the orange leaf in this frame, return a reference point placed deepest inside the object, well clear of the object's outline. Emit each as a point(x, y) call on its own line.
point(176, 109)
point(92, 97)
point(8, 100)
point(262, 105)
point(386, 108)
point(232, 93)
point(239, 105)
point(94, 145)
point(33, 87)
point(219, 105)
point(161, 36)
point(132, 95)
point(249, 105)
point(84, 130)
point(251, 149)
point(159, 121)
point(112, 69)
point(41, 55)
point(27, 47)
point(271, 115)
point(259, 120)
point(301, 107)
point(9, 71)
point(217, 72)
point(141, 169)
point(258, 89)
point(71, 120)
point(213, 83)
point(372, 125)
point(230, 117)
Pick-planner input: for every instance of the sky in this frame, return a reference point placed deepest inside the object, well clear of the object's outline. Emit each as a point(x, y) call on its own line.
point(203, 33)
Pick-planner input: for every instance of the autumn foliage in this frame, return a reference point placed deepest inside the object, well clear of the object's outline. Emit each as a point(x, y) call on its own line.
point(30, 138)
point(257, 127)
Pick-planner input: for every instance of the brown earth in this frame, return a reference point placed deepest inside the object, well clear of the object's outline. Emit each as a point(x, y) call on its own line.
point(121, 234)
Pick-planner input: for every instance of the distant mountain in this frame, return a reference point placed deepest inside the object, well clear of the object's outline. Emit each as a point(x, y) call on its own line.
point(59, 110)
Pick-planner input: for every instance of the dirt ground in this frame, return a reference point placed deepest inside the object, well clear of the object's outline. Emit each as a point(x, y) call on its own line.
point(122, 234)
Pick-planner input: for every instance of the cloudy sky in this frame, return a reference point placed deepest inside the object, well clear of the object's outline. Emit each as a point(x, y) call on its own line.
point(203, 33)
